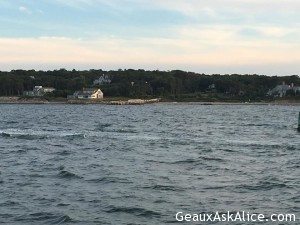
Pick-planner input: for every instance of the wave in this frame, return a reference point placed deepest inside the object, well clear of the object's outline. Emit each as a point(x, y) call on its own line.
point(63, 204)
point(36, 175)
point(125, 131)
point(66, 174)
point(36, 135)
point(134, 210)
point(102, 126)
point(195, 160)
point(22, 136)
point(64, 153)
point(110, 180)
point(186, 161)
point(267, 125)
point(295, 199)
point(255, 144)
point(164, 188)
point(160, 201)
point(262, 185)
point(11, 122)
point(121, 130)
point(9, 203)
point(45, 218)
point(212, 159)
point(73, 136)
point(291, 148)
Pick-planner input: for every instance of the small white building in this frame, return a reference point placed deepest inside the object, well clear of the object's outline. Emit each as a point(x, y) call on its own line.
point(281, 90)
point(48, 89)
point(104, 79)
point(87, 93)
point(39, 91)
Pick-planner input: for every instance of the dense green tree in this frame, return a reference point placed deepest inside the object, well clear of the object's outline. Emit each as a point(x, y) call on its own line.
point(141, 83)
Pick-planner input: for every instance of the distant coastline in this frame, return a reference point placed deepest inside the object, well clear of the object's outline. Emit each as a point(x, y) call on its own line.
point(171, 86)
point(126, 101)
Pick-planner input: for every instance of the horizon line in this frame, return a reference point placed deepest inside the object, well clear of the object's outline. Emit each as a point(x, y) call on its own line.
point(149, 70)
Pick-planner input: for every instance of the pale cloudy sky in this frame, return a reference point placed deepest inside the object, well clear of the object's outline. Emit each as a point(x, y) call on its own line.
point(209, 36)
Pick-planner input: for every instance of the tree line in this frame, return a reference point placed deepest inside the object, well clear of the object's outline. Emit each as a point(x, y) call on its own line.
point(131, 83)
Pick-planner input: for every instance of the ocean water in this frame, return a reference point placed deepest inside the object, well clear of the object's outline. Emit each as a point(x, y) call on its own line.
point(99, 164)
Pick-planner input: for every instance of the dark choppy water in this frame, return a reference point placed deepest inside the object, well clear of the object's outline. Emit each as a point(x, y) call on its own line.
point(96, 164)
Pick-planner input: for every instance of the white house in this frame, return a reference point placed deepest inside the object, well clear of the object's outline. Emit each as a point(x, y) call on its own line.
point(280, 90)
point(104, 79)
point(87, 93)
point(39, 91)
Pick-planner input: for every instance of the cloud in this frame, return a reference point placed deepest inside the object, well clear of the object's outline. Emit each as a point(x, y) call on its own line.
point(245, 5)
point(77, 4)
point(205, 48)
point(195, 34)
point(205, 11)
point(190, 6)
point(25, 10)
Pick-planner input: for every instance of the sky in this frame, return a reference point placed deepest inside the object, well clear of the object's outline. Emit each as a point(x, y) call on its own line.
point(205, 36)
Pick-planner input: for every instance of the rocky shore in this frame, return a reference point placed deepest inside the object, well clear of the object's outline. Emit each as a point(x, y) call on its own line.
point(135, 102)
point(20, 100)
point(114, 102)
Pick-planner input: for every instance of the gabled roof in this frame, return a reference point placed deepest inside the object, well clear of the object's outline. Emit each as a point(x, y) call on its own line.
point(87, 91)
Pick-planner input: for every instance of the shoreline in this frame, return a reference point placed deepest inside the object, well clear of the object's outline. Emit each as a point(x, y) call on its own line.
point(17, 100)
point(161, 103)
